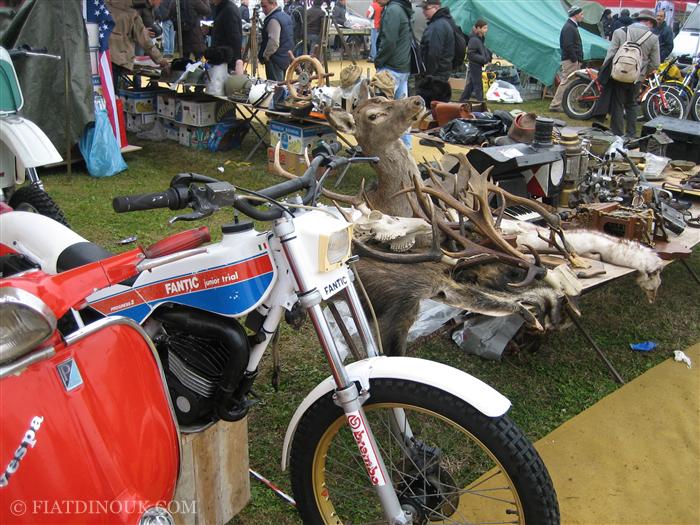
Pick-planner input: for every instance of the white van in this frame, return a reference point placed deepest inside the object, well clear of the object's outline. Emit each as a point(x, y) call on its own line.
point(688, 40)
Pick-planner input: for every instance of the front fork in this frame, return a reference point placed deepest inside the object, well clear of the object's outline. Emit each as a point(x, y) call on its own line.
point(346, 394)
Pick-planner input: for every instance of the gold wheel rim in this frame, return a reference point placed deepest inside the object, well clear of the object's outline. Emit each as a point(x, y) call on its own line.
point(323, 497)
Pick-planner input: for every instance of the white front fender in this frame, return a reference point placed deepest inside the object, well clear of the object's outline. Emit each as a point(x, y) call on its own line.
point(453, 381)
point(30, 145)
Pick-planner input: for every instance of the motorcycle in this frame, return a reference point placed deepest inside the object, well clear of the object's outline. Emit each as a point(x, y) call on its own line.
point(23, 145)
point(585, 88)
point(397, 440)
point(88, 426)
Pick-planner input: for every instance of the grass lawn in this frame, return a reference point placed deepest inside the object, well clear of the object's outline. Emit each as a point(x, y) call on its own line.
point(547, 386)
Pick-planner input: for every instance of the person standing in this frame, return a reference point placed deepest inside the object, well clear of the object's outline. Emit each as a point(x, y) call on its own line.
point(571, 53)
point(245, 13)
point(394, 47)
point(314, 20)
point(665, 34)
point(374, 13)
point(128, 32)
point(606, 22)
point(623, 20)
point(168, 28)
point(228, 29)
point(277, 40)
point(438, 42)
point(619, 99)
point(191, 13)
point(478, 56)
point(339, 18)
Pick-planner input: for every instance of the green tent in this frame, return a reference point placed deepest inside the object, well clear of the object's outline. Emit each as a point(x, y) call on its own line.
point(524, 32)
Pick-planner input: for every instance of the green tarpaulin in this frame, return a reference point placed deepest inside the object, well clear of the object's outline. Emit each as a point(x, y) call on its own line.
point(525, 32)
point(60, 108)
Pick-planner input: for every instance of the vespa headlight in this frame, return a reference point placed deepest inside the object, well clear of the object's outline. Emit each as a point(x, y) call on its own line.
point(157, 516)
point(25, 322)
point(334, 248)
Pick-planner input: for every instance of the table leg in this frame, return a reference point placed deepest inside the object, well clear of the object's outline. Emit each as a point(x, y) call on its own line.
point(687, 267)
point(595, 346)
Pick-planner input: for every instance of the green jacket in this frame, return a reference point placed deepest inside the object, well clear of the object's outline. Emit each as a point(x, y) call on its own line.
point(395, 34)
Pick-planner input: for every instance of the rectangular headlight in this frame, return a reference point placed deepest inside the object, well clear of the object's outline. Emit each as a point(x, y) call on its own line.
point(334, 248)
point(25, 322)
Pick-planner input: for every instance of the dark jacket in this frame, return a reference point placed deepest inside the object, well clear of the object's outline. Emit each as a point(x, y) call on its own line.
point(227, 30)
point(339, 14)
point(621, 21)
point(280, 57)
point(476, 50)
point(394, 40)
point(192, 10)
point(314, 17)
point(245, 13)
point(665, 35)
point(438, 45)
point(607, 23)
point(163, 11)
point(570, 42)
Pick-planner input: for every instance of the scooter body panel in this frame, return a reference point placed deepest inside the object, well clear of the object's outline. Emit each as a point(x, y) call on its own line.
point(232, 278)
point(88, 436)
point(29, 144)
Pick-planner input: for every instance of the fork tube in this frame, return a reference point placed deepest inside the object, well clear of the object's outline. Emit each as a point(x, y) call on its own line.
point(361, 321)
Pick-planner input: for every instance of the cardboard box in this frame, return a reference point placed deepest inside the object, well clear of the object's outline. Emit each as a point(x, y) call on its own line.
point(136, 121)
point(196, 111)
point(196, 137)
point(165, 104)
point(170, 128)
point(291, 162)
point(140, 100)
point(295, 137)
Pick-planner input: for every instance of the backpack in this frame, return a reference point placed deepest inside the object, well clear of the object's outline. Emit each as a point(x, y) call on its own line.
point(627, 62)
point(460, 45)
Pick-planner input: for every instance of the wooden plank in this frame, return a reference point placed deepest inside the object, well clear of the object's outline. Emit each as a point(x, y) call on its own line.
point(214, 474)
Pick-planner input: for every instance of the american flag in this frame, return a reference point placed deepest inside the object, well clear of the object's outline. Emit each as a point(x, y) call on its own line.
point(97, 13)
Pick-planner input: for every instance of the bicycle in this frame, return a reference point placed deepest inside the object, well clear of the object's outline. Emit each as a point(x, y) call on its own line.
point(673, 98)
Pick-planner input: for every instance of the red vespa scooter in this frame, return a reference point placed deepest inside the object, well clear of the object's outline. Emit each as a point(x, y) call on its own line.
point(88, 432)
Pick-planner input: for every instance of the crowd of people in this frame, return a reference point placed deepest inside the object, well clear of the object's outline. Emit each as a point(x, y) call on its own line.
point(440, 45)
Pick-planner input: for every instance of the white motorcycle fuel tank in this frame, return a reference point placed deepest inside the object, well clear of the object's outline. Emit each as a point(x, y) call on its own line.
point(231, 278)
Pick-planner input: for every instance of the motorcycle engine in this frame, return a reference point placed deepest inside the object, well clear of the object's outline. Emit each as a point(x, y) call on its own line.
point(202, 355)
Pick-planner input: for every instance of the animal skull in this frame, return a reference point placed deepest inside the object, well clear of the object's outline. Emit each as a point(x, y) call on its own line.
point(398, 232)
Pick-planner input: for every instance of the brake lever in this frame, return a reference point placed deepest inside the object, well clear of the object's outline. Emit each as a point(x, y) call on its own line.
point(185, 179)
point(194, 216)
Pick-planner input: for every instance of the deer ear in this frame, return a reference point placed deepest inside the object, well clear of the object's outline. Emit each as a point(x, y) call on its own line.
point(364, 94)
point(341, 121)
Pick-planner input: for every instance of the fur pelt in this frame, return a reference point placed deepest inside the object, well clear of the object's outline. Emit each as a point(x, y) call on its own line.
point(587, 243)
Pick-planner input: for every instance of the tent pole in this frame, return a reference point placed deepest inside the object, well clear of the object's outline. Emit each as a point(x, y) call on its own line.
point(66, 88)
point(305, 47)
point(179, 27)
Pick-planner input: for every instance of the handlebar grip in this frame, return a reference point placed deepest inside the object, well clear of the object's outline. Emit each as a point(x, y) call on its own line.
point(173, 198)
point(179, 242)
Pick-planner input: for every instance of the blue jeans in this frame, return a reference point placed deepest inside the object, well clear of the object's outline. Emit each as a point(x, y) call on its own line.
point(401, 91)
point(374, 33)
point(168, 37)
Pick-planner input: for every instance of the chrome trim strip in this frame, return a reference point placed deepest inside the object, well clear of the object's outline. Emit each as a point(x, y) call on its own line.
point(118, 320)
point(24, 361)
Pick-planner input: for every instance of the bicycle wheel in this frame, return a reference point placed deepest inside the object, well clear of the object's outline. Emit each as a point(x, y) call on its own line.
point(459, 466)
point(665, 101)
point(579, 98)
point(695, 107)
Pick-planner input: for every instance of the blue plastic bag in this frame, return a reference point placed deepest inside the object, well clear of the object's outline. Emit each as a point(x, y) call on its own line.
point(100, 148)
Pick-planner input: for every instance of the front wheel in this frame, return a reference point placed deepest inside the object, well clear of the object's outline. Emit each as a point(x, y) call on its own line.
point(448, 462)
point(33, 199)
point(695, 107)
point(579, 98)
point(665, 101)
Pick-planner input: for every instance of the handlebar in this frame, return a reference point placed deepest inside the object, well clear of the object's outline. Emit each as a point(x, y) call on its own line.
point(32, 52)
point(204, 200)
